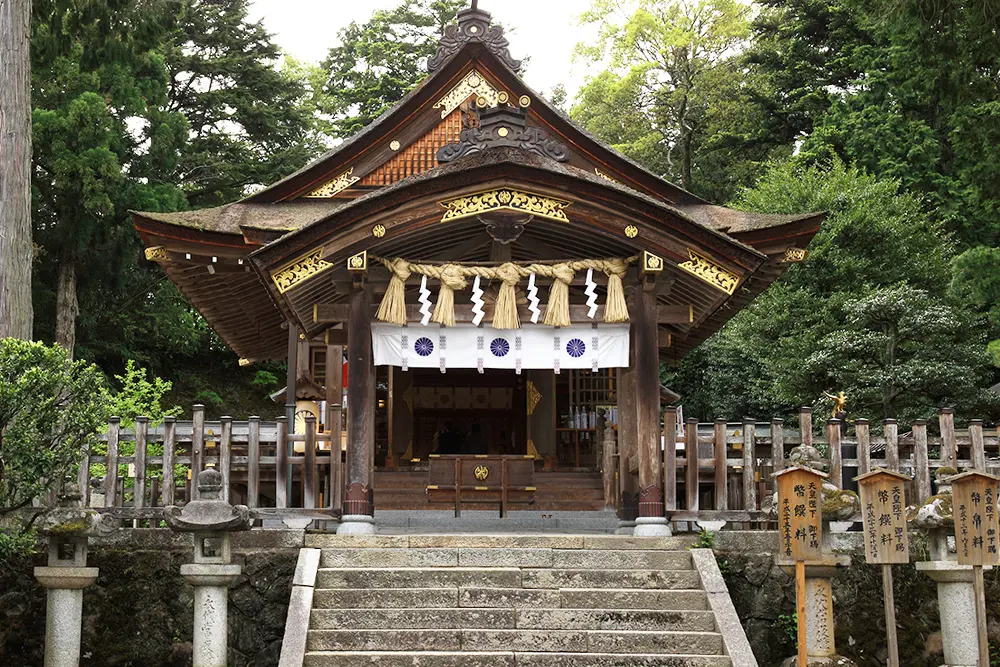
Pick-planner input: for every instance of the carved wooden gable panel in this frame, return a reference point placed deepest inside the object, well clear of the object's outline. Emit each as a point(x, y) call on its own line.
point(419, 156)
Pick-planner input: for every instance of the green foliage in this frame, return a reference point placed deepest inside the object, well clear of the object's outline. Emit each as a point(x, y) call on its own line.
point(789, 626)
point(265, 380)
point(706, 540)
point(141, 396)
point(676, 96)
point(16, 545)
point(208, 398)
point(248, 124)
point(868, 313)
point(379, 61)
point(50, 410)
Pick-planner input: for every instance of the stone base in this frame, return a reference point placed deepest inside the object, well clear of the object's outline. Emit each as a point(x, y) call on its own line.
point(625, 527)
point(651, 526)
point(832, 661)
point(712, 526)
point(356, 524)
point(69, 578)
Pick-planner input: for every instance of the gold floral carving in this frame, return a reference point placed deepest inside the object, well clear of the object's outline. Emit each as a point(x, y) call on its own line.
point(378, 231)
point(605, 176)
point(793, 255)
point(482, 472)
point(711, 273)
point(631, 231)
point(157, 254)
point(332, 187)
point(300, 270)
point(534, 397)
point(505, 199)
point(472, 84)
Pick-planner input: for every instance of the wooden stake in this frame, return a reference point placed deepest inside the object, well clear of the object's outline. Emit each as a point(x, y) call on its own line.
point(980, 593)
point(800, 608)
point(890, 615)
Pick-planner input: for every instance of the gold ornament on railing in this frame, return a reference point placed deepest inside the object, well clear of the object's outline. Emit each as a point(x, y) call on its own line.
point(455, 277)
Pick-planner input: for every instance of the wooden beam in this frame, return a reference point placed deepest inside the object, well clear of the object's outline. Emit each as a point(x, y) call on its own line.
point(332, 313)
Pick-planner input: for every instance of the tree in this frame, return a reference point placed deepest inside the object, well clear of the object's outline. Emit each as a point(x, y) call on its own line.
point(870, 312)
point(248, 122)
point(16, 312)
point(50, 411)
point(98, 91)
point(671, 65)
point(379, 61)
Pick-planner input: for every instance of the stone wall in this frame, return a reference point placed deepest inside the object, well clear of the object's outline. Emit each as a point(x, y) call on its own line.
point(140, 611)
point(764, 597)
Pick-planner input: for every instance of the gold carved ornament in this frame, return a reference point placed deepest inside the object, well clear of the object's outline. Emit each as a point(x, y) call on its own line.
point(713, 274)
point(158, 254)
point(534, 397)
point(300, 270)
point(378, 231)
point(605, 176)
point(631, 231)
point(472, 84)
point(794, 255)
point(505, 199)
point(334, 186)
point(482, 472)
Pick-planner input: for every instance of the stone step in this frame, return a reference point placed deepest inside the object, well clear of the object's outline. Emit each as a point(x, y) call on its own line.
point(412, 619)
point(584, 559)
point(421, 577)
point(615, 619)
point(614, 579)
point(596, 598)
point(540, 641)
point(501, 598)
point(507, 659)
point(411, 659)
point(512, 618)
point(479, 557)
point(389, 598)
point(499, 541)
point(360, 558)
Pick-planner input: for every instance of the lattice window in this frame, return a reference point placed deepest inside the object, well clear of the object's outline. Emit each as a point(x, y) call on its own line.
point(420, 156)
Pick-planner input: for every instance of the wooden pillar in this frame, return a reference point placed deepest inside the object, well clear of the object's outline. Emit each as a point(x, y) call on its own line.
point(627, 433)
point(360, 402)
point(334, 408)
point(290, 377)
point(647, 386)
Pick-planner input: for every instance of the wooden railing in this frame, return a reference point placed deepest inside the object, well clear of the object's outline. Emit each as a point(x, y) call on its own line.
point(257, 461)
point(735, 463)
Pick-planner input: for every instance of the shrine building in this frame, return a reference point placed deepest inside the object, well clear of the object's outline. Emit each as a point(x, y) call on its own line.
point(495, 281)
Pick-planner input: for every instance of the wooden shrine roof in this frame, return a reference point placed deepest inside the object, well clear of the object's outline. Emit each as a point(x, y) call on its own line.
point(389, 174)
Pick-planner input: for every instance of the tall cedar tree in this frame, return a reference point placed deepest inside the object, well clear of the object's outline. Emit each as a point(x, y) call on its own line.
point(379, 61)
point(16, 312)
point(249, 126)
point(98, 92)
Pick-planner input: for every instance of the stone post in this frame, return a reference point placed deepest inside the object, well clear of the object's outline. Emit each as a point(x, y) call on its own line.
point(956, 592)
point(67, 527)
point(212, 573)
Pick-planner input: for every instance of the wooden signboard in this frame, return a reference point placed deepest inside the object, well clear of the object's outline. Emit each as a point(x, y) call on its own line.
point(800, 532)
point(976, 528)
point(976, 518)
point(883, 510)
point(800, 513)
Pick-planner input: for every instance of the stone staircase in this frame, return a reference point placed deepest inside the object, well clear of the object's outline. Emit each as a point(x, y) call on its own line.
point(510, 600)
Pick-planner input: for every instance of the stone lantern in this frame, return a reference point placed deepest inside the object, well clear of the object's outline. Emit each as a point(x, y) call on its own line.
point(212, 521)
point(67, 527)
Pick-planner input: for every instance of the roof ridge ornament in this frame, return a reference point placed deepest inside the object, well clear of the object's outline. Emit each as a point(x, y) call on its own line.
point(474, 25)
point(504, 126)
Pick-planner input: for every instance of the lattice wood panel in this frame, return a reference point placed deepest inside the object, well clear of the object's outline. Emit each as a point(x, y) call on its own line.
point(419, 156)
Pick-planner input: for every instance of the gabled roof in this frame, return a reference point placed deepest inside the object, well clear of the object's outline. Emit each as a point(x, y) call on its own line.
point(392, 162)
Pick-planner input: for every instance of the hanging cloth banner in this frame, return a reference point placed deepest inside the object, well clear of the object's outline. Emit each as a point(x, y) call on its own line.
point(533, 346)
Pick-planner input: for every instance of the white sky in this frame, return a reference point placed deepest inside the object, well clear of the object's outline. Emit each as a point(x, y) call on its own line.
point(547, 30)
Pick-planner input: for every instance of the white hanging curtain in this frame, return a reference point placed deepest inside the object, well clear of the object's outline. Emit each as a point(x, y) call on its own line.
point(533, 346)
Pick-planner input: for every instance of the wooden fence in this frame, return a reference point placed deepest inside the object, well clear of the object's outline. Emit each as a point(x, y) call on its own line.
point(735, 465)
point(252, 456)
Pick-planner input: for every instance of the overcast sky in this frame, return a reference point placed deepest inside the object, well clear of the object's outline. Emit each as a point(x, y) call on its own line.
point(546, 30)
